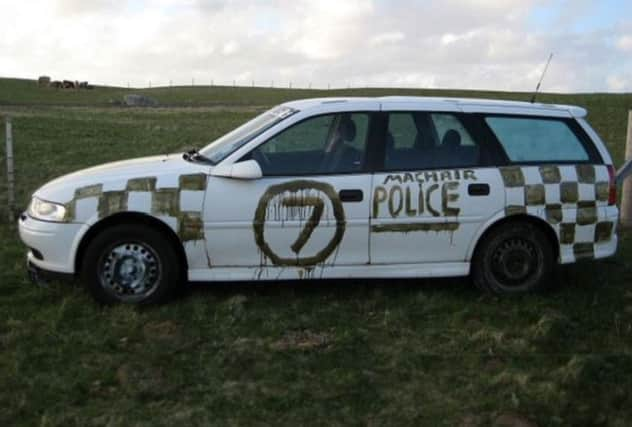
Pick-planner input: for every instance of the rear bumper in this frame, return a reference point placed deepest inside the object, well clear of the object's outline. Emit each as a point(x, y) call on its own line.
point(590, 240)
point(609, 247)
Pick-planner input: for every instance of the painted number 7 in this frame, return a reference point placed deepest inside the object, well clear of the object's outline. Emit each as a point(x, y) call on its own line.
point(313, 221)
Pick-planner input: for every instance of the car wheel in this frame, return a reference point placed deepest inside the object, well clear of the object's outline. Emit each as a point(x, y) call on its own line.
point(514, 258)
point(130, 264)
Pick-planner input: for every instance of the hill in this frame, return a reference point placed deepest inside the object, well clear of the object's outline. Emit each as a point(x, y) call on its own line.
point(380, 352)
point(607, 112)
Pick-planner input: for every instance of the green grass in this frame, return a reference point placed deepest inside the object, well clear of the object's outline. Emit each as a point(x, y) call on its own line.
point(326, 353)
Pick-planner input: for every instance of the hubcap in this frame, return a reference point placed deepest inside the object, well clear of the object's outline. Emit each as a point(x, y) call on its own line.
point(514, 261)
point(130, 271)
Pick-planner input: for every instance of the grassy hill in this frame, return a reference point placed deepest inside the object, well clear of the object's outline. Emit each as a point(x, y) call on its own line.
point(432, 352)
point(607, 112)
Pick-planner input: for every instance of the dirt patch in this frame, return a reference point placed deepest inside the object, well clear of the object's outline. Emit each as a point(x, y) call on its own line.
point(302, 340)
point(164, 332)
point(513, 420)
point(143, 380)
point(471, 421)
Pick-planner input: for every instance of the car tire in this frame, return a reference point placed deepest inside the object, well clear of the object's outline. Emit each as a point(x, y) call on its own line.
point(514, 258)
point(131, 264)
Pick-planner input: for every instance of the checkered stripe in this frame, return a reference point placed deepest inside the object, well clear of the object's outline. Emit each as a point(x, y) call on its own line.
point(567, 197)
point(177, 205)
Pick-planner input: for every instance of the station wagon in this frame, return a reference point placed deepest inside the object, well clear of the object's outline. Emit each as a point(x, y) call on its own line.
point(339, 188)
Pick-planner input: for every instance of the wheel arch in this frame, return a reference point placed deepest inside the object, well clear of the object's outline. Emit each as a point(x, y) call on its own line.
point(546, 227)
point(131, 218)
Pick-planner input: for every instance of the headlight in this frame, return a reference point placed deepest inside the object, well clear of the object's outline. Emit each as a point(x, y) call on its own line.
point(46, 211)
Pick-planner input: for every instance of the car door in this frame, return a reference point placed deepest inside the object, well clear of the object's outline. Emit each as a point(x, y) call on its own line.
point(435, 189)
point(310, 208)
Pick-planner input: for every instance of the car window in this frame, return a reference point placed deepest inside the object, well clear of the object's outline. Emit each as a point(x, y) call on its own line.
point(527, 139)
point(401, 128)
point(326, 144)
point(222, 147)
point(443, 123)
point(422, 140)
point(310, 135)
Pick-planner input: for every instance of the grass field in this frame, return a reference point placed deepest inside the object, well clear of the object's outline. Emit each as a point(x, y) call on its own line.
point(319, 353)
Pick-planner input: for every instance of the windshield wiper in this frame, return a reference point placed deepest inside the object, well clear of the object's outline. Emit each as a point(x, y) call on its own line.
point(195, 156)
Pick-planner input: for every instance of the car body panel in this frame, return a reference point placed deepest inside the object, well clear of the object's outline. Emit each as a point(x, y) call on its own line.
point(264, 229)
point(262, 226)
point(429, 216)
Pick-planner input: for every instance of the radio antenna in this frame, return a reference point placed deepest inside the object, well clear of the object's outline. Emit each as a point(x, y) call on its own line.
point(537, 88)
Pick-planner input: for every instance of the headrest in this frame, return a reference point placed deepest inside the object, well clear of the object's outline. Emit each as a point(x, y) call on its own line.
point(347, 129)
point(451, 139)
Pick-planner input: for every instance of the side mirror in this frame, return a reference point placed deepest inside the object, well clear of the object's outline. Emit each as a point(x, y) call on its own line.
point(248, 169)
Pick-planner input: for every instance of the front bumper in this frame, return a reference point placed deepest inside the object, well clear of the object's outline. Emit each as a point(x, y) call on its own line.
point(52, 246)
point(42, 277)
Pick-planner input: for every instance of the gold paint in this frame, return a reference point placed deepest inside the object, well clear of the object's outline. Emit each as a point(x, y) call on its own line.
point(603, 231)
point(420, 200)
point(447, 197)
point(428, 175)
point(469, 174)
point(166, 201)
point(567, 234)
point(512, 176)
point(193, 182)
point(408, 209)
point(141, 184)
point(602, 191)
point(550, 174)
point(534, 194)
point(111, 202)
point(569, 192)
point(553, 213)
point(71, 213)
point(392, 178)
point(408, 177)
point(583, 250)
point(415, 226)
point(313, 221)
point(295, 187)
point(585, 173)
point(431, 189)
point(586, 213)
point(190, 226)
point(515, 210)
point(393, 209)
point(379, 196)
point(88, 191)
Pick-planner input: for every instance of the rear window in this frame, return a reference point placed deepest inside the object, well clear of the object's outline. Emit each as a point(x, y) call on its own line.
point(537, 140)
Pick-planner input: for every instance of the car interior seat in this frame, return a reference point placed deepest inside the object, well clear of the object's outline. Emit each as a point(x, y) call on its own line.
point(343, 157)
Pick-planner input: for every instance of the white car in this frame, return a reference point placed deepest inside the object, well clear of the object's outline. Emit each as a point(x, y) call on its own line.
point(340, 188)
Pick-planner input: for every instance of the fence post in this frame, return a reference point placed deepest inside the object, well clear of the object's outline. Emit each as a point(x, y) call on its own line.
point(626, 192)
point(10, 171)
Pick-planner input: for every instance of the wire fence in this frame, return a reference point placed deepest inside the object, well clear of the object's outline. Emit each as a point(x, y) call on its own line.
point(270, 84)
point(9, 202)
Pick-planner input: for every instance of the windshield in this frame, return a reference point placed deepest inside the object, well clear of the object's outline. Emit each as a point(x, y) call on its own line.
point(222, 147)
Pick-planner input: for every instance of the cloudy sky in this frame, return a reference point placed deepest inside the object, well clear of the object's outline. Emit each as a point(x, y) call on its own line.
point(471, 44)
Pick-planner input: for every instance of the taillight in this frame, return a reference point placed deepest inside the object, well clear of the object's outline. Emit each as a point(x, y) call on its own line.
point(612, 194)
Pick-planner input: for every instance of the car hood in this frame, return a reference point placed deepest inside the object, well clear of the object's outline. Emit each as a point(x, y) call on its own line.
point(62, 189)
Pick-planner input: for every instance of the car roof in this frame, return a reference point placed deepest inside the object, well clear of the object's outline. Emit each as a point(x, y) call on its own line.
point(429, 103)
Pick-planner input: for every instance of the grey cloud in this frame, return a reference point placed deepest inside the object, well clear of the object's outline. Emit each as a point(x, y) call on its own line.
point(482, 44)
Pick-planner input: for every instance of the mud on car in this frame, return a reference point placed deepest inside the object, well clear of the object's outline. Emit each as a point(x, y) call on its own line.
point(339, 188)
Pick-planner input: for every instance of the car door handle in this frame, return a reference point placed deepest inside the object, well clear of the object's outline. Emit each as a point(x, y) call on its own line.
point(478, 189)
point(351, 195)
